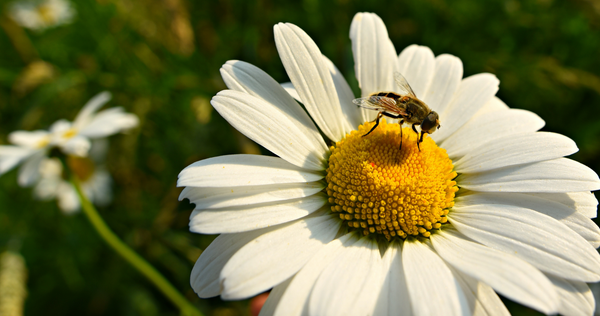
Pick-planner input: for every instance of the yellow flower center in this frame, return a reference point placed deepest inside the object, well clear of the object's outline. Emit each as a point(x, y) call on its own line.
point(379, 189)
point(70, 133)
point(43, 142)
point(82, 167)
point(46, 13)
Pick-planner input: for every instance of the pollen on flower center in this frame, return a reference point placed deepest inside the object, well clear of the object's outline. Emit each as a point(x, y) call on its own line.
point(379, 189)
point(70, 133)
point(46, 13)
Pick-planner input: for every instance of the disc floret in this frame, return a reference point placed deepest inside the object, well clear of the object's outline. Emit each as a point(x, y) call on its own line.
point(378, 188)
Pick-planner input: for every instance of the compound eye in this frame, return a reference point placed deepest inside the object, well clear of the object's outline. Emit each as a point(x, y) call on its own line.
point(430, 123)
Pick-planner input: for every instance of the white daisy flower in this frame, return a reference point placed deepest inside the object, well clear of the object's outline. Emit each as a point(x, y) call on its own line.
point(40, 15)
point(360, 227)
point(74, 138)
point(31, 148)
point(95, 181)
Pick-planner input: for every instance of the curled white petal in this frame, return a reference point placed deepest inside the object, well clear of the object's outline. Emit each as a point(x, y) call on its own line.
point(429, 279)
point(243, 170)
point(257, 267)
point(417, 64)
point(271, 127)
point(248, 217)
point(310, 75)
point(374, 57)
point(544, 242)
point(551, 176)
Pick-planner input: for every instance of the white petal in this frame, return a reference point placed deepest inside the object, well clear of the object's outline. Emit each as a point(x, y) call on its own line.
point(308, 72)
point(289, 88)
point(430, 280)
point(248, 217)
point(472, 94)
point(539, 239)
point(516, 150)
point(482, 299)
point(351, 111)
point(46, 188)
point(109, 122)
point(374, 57)
point(68, 200)
point(558, 175)
point(350, 284)
point(417, 64)
point(209, 198)
point(271, 127)
point(60, 127)
point(87, 112)
point(241, 170)
point(394, 298)
point(29, 172)
point(11, 156)
point(35, 140)
point(575, 297)
point(493, 105)
point(583, 202)
point(275, 295)
point(447, 75)
point(488, 127)
point(275, 256)
point(573, 219)
point(99, 187)
point(205, 274)
point(78, 146)
point(295, 299)
point(247, 78)
point(508, 275)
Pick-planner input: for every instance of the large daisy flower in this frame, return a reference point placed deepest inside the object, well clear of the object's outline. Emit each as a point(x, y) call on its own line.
point(357, 226)
point(73, 138)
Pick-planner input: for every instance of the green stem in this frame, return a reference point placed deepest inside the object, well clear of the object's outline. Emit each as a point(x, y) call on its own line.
point(185, 307)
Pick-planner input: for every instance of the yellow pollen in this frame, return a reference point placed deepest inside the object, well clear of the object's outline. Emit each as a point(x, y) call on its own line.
point(82, 167)
point(379, 189)
point(43, 142)
point(70, 133)
point(46, 14)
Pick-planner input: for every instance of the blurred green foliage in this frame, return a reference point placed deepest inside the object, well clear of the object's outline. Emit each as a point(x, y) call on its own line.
point(161, 61)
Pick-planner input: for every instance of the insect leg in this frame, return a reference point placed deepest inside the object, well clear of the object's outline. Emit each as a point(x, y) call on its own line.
point(376, 123)
point(414, 129)
point(401, 122)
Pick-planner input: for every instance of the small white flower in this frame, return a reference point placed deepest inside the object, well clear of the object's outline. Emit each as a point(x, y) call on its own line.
point(74, 138)
point(363, 228)
point(95, 181)
point(40, 15)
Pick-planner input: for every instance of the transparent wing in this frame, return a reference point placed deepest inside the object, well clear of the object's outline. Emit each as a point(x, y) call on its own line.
point(378, 103)
point(405, 88)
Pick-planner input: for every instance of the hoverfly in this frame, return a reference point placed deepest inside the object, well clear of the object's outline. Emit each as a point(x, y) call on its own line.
point(405, 106)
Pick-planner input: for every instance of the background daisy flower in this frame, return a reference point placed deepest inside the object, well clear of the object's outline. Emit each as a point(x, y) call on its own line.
point(40, 15)
point(487, 204)
point(31, 148)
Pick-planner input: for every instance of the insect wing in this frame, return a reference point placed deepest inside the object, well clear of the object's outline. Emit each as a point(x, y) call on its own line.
point(403, 85)
point(379, 103)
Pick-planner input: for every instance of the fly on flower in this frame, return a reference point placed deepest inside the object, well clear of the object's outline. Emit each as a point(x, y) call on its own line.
point(404, 105)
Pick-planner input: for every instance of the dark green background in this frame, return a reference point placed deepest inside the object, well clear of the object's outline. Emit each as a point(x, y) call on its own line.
point(545, 53)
